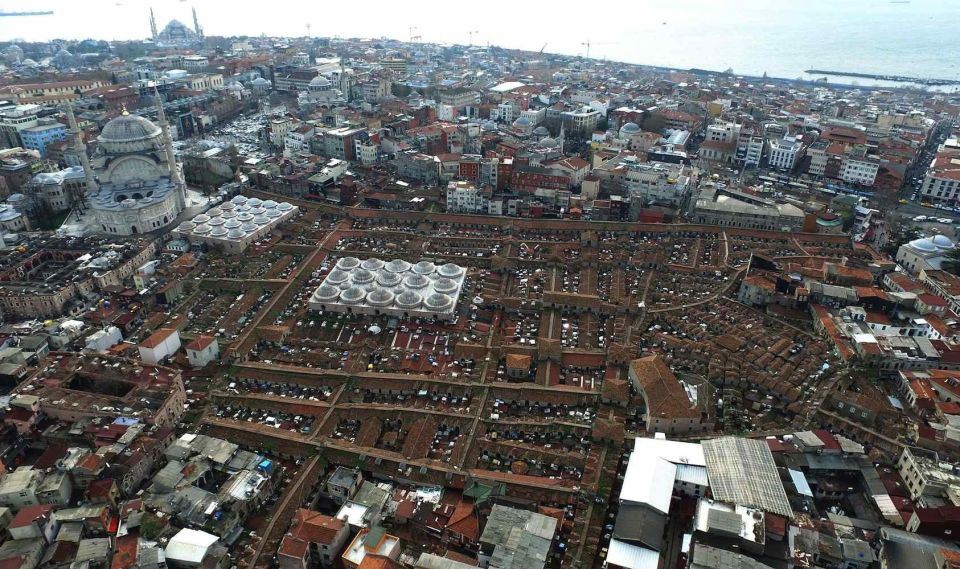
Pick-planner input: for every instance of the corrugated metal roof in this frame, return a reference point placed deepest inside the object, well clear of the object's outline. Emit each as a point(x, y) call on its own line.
point(692, 474)
point(742, 471)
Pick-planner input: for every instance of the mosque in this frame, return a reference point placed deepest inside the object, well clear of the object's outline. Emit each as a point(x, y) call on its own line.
point(134, 184)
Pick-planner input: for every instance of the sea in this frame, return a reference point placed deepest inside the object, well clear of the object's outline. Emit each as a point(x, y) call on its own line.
point(782, 38)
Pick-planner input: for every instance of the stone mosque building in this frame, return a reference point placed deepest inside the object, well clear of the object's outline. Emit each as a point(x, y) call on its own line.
point(138, 186)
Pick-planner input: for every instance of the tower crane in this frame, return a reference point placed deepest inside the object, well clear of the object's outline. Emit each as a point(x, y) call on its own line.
point(470, 44)
point(588, 43)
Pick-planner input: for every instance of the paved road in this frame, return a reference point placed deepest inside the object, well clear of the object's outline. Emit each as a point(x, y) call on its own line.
point(914, 209)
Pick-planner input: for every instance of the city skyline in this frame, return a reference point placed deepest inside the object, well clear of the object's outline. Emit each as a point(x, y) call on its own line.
point(785, 38)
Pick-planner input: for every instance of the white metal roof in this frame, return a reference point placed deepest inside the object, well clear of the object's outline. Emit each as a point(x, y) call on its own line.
point(654, 466)
point(631, 556)
point(190, 545)
point(676, 452)
point(649, 480)
point(800, 482)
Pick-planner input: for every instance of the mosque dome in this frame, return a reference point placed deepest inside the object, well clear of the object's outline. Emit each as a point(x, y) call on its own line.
point(942, 242)
point(319, 83)
point(926, 245)
point(547, 142)
point(128, 128)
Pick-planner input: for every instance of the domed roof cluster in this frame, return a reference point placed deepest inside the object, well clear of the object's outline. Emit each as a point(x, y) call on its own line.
point(630, 128)
point(935, 244)
point(239, 220)
point(396, 287)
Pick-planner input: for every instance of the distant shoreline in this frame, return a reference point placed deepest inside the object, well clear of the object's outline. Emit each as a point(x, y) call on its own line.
point(896, 78)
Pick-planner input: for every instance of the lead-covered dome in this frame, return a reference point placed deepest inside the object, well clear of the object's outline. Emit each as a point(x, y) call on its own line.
point(450, 271)
point(352, 295)
point(348, 263)
point(942, 242)
point(129, 133)
point(409, 300)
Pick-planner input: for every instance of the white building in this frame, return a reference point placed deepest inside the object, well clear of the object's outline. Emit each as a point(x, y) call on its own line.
point(189, 547)
point(18, 488)
point(103, 339)
point(57, 189)
point(785, 152)
point(942, 180)
point(202, 351)
point(859, 170)
point(279, 129)
point(723, 132)
point(298, 140)
point(750, 149)
point(732, 208)
point(397, 288)
point(925, 477)
point(161, 344)
point(466, 197)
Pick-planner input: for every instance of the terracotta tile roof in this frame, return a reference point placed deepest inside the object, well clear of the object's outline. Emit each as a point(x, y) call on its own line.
point(464, 521)
point(157, 338)
point(664, 395)
point(315, 527)
point(201, 343)
point(615, 390)
point(518, 361)
point(374, 561)
point(28, 514)
point(420, 438)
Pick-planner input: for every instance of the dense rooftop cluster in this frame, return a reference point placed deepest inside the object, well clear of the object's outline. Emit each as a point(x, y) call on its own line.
point(375, 304)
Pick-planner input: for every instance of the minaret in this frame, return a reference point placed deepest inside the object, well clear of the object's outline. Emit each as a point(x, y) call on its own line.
point(80, 148)
point(175, 176)
point(196, 23)
point(153, 26)
point(561, 138)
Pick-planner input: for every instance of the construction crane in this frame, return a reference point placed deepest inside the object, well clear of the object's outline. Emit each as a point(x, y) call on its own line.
point(4, 14)
point(470, 44)
point(588, 44)
point(412, 37)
